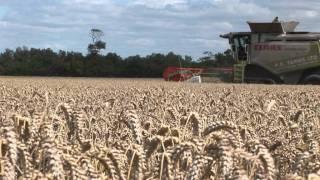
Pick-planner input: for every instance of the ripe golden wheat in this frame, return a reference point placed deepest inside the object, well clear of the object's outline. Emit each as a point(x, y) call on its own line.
point(122, 129)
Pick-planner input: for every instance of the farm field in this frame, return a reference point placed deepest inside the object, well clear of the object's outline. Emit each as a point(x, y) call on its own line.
point(83, 128)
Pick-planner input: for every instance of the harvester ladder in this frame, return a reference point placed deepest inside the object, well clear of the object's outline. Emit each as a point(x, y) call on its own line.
point(238, 72)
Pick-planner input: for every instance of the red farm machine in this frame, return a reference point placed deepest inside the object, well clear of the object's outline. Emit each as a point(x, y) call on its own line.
point(203, 74)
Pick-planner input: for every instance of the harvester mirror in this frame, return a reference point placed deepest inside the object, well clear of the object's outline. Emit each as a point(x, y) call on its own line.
point(233, 47)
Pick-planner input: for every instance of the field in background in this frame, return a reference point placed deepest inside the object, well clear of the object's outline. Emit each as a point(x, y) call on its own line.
point(83, 128)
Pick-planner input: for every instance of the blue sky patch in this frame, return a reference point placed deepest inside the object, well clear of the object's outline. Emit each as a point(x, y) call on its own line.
point(3, 11)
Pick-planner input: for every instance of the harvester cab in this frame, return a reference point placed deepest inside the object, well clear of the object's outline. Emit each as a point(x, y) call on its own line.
point(240, 45)
point(273, 52)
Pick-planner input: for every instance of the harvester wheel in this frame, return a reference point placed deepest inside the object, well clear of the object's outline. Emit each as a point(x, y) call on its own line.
point(313, 79)
point(259, 75)
point(260, 80)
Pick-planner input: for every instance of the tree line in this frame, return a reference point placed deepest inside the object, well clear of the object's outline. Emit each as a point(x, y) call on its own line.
point(46, 62)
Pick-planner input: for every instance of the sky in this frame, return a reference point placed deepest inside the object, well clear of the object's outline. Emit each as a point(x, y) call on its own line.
point(131, 27)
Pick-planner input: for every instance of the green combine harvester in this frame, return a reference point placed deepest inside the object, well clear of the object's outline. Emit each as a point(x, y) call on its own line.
point(275, 53)
point(271, 53)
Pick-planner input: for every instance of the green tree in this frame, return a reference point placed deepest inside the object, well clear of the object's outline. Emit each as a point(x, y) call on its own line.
point(97, 44)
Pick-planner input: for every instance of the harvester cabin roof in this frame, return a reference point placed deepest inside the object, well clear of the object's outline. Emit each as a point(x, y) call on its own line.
point(232, 34)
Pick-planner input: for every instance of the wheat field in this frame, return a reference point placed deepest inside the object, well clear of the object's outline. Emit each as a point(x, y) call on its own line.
point(77, 128)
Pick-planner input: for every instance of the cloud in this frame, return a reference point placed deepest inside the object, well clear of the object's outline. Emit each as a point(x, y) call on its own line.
point(143, 26)
point(161, 4)
point(243, 7)
point(141, 42)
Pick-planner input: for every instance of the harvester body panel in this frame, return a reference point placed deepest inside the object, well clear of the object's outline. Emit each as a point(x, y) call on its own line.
point(282, 56)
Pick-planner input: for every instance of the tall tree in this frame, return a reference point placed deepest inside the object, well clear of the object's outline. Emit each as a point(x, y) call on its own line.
point(97, 44)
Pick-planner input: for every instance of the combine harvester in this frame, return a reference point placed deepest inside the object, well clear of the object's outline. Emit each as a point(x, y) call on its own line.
point(272, 53)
